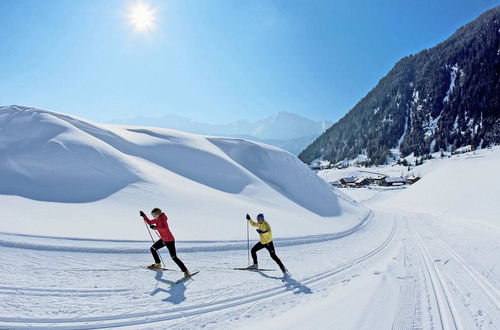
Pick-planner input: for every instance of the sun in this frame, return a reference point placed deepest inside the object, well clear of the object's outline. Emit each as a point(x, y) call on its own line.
point(142, 17)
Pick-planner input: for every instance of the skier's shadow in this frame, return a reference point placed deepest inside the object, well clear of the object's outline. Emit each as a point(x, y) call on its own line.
point(290, 284)
point(176, 291)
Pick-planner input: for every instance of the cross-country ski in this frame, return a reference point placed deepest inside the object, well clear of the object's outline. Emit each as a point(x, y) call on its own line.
point(256, 269)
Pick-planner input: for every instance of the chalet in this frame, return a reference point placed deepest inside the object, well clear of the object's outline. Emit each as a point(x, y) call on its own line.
point(349, 181)
point(378, 180)
point(361, 182)
point(393, 181)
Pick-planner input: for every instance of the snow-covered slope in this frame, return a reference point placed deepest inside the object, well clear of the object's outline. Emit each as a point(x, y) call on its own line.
point(66, 176)
point(463, 187)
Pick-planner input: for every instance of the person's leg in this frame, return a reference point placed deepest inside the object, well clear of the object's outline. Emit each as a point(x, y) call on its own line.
point(157, 245)
point(270, 247)
point(256, 247)
point(173, 255)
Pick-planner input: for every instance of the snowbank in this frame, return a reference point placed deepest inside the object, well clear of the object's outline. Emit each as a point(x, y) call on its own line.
point(66, 176)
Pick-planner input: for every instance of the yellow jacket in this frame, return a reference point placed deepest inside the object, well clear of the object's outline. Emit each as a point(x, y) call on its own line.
point(266, 236)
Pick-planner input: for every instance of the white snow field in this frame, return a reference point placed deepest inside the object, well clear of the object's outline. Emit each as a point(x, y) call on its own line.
point(67, 177)
point(418, 258)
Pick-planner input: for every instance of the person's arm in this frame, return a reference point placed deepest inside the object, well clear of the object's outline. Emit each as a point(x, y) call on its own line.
point(251, 222)
point(265, 228)
point(145, 217)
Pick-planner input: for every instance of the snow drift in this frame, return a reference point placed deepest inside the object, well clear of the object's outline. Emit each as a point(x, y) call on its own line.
point(66, 176)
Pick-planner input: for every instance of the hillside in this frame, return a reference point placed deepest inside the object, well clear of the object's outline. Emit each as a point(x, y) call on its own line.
point(445, 97)
point(66, 176)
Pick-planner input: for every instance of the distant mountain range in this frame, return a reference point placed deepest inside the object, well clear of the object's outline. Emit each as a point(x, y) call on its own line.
point(284, 130)
point(445, 97)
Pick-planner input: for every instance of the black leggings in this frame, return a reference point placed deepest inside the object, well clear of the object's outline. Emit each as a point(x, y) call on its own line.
point(270, 247)
point(171, 249)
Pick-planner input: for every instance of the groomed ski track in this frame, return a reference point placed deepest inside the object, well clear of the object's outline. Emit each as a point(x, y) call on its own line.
point(395, 258)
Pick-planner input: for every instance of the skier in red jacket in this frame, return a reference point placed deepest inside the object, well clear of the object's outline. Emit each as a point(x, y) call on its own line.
point(166, 239)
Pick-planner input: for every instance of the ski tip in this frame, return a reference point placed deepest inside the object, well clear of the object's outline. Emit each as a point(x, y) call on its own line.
point(255, 269)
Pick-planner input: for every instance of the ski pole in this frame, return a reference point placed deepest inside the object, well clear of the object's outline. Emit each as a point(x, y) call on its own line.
point(152, 239)
point(248, 244)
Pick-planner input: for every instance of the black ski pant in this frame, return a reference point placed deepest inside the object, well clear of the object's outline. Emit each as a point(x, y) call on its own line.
point(171, 249)
point(270, 247)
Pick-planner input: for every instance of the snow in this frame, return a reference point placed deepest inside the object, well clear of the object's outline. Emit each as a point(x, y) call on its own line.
point(460, 187)
point(431, 126)
point(59, 169)
point(420, 257)
point(453, 77)
point(432, 146)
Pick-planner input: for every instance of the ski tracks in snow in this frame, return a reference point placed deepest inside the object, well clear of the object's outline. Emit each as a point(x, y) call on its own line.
point(457, 295)
point(438, 287)
point(288, 287)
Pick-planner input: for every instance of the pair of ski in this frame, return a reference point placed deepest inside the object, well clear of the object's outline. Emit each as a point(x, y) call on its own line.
point(184, 278)
point(256, 269)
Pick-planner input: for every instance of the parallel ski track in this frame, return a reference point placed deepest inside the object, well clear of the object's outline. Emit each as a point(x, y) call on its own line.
point(408, 311)
point(488, 289)
point(131, 319)
point(448, 316)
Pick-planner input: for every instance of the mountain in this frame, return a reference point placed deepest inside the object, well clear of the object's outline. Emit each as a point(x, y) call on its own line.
point(284, 130)
point(445, 97)
point(66, 176)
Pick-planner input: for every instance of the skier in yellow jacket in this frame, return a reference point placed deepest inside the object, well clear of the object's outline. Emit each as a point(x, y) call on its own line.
point(266, 241)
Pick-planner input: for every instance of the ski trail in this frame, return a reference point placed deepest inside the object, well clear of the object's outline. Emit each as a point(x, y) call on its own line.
point(408, 311)
point(131, 319)
point(487, 288)
point(446, 309)
point(476, 299)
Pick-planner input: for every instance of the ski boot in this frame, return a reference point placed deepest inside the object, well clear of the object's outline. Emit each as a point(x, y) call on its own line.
point(254, 266)
point(187, 274)
point(286, 274)
point(155, 266)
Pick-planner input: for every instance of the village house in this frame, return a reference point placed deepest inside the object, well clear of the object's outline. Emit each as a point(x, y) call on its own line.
point(349, 181)
point(361, 182)
point(393, 181)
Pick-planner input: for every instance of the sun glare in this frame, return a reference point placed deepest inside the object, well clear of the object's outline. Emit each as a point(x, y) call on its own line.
point(142, 17)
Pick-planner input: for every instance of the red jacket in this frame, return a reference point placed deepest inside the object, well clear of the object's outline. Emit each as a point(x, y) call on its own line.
point(162, 227)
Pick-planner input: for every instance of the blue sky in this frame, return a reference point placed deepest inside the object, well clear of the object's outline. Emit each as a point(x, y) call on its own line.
point(214, 61)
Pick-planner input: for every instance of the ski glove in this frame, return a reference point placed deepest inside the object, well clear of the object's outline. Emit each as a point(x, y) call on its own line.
point(142, 214)
point(152, 226)
point(261, 231)
point(248, 217)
